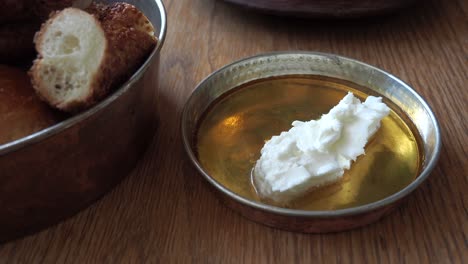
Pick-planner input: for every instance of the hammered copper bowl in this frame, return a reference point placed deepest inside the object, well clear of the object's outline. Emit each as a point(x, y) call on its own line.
point(52, 174)
point(308, 63)
point(325, 8)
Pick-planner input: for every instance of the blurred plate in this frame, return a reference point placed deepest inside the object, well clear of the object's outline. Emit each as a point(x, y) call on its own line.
point(325, 8)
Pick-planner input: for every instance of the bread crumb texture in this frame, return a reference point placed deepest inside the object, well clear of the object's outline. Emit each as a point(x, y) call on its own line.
point(83, 54)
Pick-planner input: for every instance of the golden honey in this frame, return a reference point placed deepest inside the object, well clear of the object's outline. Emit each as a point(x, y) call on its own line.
point(235, 128)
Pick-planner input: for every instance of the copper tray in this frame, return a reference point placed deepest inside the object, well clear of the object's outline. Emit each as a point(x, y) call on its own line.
point(54, 173)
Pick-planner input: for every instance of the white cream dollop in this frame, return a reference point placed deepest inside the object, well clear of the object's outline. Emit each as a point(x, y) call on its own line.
point(316, 153)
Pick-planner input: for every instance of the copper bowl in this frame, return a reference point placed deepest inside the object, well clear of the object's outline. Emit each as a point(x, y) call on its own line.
point(309, 63)
point(325, 8)
point(52, 174)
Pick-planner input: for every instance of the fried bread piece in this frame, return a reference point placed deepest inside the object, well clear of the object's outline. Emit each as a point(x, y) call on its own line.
point(83, 55)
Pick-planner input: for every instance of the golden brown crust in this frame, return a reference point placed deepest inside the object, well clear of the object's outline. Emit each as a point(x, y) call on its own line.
point(128, 44)
point(21, 112)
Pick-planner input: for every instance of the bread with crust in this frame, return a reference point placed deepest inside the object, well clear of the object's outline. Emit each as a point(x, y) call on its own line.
point(83, 55)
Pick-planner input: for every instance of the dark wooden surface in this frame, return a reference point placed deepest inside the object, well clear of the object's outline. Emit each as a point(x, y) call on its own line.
point(165, 212)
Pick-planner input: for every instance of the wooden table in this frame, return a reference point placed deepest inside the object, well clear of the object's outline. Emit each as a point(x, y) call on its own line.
point(165, 212)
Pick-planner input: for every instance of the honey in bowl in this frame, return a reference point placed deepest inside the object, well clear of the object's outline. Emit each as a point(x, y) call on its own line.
point(235, 128)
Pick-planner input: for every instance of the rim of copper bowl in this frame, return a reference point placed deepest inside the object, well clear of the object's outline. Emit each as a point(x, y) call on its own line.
point(69, 122)
point(422, 176)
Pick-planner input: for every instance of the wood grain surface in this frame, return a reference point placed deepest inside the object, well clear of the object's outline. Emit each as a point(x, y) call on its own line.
point(165, 212)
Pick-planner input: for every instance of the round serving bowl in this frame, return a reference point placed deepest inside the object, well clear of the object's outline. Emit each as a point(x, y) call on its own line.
point(52, 174)
point(309, 63)
point(325, 8)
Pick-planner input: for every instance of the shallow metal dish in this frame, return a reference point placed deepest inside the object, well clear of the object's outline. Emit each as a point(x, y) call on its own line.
point(54, 173)
point(325, 8)
point(303, 63)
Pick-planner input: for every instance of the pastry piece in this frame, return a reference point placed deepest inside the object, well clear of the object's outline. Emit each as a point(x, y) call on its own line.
point(119, 16)
point(21, 111)
point(83, 55)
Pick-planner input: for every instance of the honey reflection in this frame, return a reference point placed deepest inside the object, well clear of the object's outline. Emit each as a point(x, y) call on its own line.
point(232, 121)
